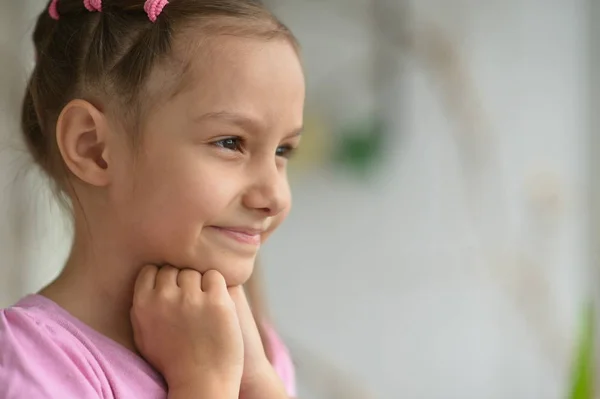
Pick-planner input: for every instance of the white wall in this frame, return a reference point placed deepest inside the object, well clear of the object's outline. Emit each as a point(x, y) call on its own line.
point(393, 282)
point(594, 95)
point(34, 238)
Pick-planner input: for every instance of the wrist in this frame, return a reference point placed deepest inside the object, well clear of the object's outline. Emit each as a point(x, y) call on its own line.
point(262, 384)
point(205, 386)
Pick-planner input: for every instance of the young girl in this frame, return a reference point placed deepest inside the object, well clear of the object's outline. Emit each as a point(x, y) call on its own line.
point(167, 126)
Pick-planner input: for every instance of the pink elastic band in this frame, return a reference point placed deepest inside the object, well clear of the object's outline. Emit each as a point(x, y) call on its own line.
point(154, 8)
point(53, 10)
point(93, 5)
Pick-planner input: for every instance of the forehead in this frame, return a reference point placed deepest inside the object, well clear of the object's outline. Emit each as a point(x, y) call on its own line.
point(247, 75)
point(233, 65)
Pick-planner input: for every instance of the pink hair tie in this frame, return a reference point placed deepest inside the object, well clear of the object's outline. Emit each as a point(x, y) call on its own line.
point(93, 5)
point(53, 10)
point(154, 8)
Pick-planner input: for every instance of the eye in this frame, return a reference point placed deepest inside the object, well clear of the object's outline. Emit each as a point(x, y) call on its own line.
point(230, 143)
point(285, 151)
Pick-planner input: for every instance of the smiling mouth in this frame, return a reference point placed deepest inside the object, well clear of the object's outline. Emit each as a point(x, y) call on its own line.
point(241, 235)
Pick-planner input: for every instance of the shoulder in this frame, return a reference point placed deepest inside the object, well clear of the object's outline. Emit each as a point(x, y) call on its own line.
point(39, 358)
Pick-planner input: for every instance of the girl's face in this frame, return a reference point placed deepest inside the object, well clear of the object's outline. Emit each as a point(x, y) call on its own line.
point(209, 183)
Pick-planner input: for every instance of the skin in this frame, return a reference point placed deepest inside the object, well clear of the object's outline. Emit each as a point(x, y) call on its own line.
point(258, 303)
point(208, 355)
point(211, 163)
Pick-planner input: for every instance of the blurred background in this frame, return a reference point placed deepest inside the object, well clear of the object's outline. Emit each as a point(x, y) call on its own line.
point(444, 237)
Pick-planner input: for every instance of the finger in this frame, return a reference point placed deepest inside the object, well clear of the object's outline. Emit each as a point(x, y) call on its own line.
point(213, 281)
point(248, 324)
point(146, 280)
point(166, 278)
point(189, 280)
point(238, 296)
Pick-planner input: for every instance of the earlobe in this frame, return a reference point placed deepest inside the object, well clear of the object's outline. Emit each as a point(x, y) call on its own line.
point(81, 135)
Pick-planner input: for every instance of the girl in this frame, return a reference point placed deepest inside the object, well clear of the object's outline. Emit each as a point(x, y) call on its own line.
point(167, 126)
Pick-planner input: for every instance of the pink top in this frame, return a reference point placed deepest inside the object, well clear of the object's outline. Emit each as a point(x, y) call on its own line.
point(47, 353)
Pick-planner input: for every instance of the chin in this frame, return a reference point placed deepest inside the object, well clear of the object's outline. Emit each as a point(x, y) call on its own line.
point(237, 276)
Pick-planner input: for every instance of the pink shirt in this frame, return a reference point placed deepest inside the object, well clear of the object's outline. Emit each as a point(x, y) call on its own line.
point(47, 353)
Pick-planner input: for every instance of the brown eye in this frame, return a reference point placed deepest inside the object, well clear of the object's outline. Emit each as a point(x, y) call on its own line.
point(230, 143)
point(285, 151)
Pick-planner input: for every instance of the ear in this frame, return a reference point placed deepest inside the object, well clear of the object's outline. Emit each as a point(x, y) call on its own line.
point(81, 135)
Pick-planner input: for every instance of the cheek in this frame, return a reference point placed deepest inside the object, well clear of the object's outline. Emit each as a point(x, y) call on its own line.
point(183, 196)
point(167, 208)
point(180, 190)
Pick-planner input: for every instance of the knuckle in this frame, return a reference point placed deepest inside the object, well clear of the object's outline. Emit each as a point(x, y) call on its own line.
point(188, 274)
point(167, 270)
point(220, 302)
point(213, 275)
point(150, 269)
point(191, 300)
point(166, 295)
point(191, 272)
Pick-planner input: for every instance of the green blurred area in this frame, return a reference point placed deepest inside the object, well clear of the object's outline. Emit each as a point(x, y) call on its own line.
point(582, 385)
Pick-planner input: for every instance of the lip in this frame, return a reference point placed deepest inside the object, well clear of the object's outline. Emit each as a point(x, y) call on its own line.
point(243, 235)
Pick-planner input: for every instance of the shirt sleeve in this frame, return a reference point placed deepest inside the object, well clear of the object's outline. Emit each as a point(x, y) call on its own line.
point(39, 362)
point(281, 360)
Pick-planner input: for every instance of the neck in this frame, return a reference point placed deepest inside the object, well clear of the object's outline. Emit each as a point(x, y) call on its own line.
point(96, 285)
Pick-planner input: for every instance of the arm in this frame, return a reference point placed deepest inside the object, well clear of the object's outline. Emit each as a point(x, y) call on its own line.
point(267, 386)
point(206, 388)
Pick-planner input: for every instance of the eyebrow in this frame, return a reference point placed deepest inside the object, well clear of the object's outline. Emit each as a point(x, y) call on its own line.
point(241, 120)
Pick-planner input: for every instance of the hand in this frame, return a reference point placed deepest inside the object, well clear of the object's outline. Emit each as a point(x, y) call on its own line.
point(185, 325)
point(258, 377)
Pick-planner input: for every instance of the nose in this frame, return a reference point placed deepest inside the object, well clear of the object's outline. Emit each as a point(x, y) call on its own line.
point(269, 191)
